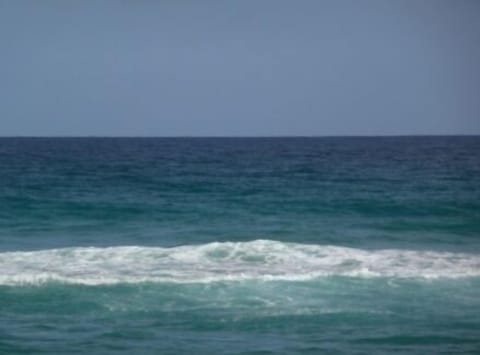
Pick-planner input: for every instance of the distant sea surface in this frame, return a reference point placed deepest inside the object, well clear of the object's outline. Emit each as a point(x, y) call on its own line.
point(240, 245)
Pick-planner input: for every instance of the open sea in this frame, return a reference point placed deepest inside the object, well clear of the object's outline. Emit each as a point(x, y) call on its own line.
point(240, 245)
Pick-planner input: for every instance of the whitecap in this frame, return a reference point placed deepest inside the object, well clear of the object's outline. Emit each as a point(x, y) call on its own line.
point(254, 260)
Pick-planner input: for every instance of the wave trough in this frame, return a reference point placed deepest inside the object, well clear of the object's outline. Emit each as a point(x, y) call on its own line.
point(254, 260)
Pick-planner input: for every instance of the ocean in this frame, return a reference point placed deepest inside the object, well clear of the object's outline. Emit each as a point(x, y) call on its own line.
point(341, 245)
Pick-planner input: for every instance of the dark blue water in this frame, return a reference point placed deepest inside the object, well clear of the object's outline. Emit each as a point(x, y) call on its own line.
point(240, 245)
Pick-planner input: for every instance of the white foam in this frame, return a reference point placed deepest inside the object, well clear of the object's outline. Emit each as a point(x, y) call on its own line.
point(255, 260)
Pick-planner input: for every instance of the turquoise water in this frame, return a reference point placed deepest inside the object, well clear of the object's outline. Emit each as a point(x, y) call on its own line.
point(240, 245)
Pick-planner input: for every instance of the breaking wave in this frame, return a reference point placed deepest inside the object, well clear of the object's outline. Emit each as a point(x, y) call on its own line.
point(254, 260)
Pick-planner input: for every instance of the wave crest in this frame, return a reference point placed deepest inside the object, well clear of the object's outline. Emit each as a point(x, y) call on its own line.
point(255, 260)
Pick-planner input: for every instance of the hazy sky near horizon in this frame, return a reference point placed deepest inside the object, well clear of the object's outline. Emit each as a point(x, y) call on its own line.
point(251, 67)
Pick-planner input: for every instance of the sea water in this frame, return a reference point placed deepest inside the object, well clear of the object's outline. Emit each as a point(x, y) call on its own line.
point(240, 245)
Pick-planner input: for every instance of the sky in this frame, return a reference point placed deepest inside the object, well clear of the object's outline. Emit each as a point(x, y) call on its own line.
point(239, 68)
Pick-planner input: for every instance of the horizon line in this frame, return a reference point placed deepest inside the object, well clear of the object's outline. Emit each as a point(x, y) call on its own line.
point(247, 136)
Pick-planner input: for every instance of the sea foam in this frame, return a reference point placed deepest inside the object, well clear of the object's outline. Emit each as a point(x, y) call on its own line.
point(254, 260)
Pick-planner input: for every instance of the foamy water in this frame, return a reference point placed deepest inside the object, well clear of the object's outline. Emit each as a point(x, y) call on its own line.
point(259, 259)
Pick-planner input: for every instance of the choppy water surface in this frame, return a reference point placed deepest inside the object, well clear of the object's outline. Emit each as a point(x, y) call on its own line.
point(255, 245)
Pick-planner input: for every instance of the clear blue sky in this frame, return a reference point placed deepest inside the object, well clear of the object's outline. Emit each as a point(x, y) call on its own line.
point(246, 67)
